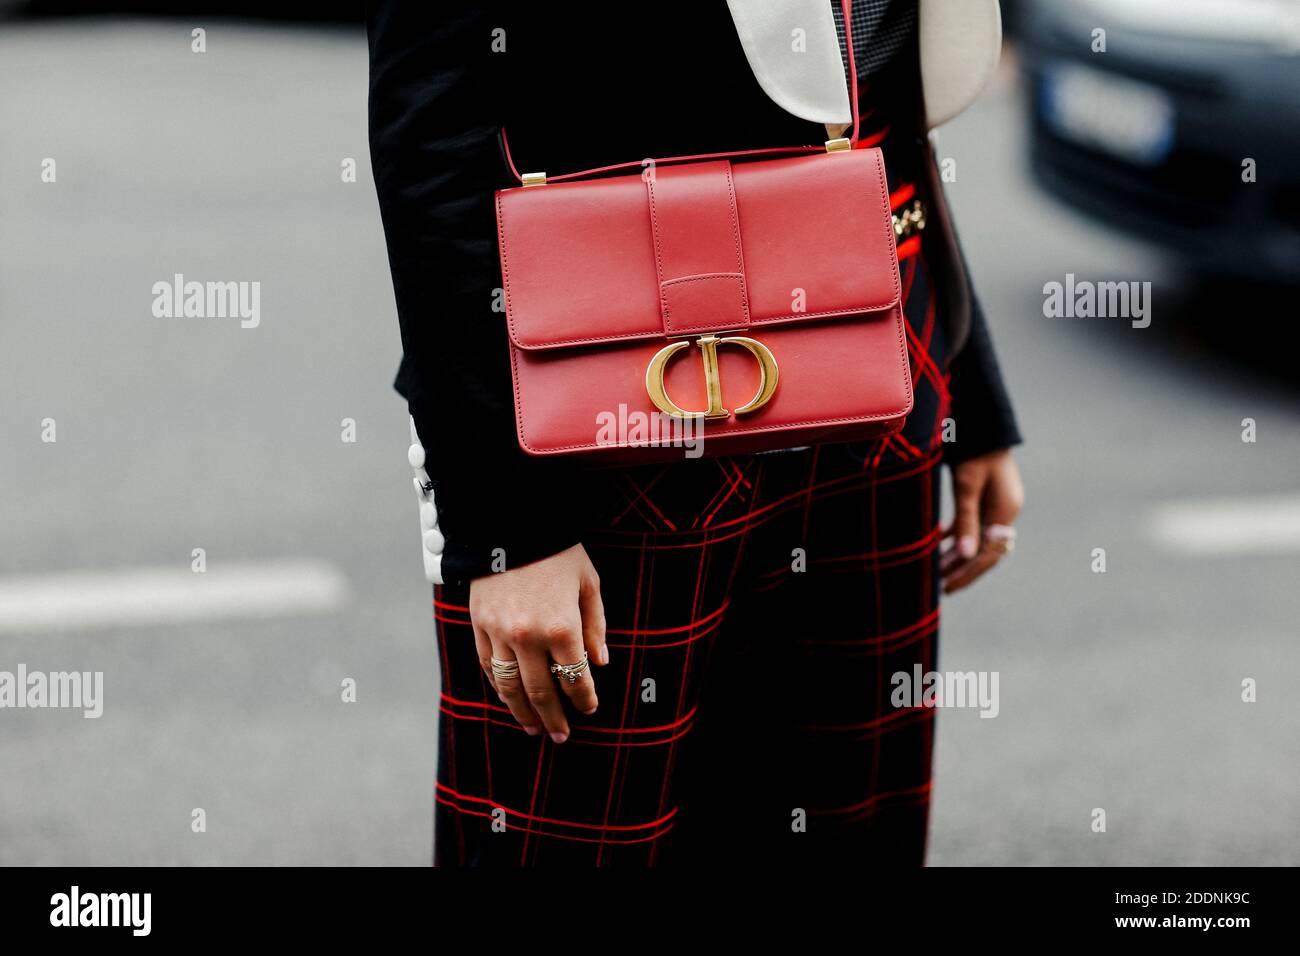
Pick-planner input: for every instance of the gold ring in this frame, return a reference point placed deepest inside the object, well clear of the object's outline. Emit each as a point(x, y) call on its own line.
point(1000, 537)
point(571, 671)
point(504, 670)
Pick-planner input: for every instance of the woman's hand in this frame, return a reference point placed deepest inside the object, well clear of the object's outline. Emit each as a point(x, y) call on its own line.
point(544, 612)
point(989, 497)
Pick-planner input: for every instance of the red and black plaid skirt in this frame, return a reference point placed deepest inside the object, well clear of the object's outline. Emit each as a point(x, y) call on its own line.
point(757, 607)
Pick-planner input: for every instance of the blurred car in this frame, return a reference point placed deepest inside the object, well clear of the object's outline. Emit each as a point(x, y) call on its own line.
point(1155, 135)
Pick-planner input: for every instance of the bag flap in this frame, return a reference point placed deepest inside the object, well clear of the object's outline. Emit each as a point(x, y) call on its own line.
point(697, 248)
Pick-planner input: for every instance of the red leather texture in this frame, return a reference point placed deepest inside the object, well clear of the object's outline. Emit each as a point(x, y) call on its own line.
point(796, 253)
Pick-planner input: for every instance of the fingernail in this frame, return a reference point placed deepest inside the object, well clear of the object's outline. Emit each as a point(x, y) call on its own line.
point(592, 711)
point(559, 738)
point(967, 546)
point(604, 654)
point(533, 731)
point(501, 697)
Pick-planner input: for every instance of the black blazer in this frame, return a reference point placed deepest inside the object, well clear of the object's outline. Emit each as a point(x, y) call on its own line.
point(576, 85)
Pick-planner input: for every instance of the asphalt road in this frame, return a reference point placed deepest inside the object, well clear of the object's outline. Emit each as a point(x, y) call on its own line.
point(1119, 690)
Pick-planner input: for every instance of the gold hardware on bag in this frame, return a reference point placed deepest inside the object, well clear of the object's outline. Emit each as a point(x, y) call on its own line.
point(838, 144)
point(767, 368)
point(534, 179)
point(910, 221)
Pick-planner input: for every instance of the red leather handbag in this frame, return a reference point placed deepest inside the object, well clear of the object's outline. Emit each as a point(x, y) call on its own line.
point(729, 306)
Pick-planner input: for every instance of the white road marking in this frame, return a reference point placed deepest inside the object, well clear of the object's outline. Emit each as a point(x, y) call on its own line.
point(1226, 527)
point(142, 597)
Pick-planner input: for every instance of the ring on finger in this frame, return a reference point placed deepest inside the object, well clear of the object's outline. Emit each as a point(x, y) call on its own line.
point(504, 670)
point(571, 672)
point(1001, 538)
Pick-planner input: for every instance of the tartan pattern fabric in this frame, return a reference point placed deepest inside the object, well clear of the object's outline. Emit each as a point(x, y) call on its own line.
point(743, 691)
point(740, 692)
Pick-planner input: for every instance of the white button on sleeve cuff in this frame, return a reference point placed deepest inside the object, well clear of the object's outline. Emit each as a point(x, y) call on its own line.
point(433, 568)
point(431, 538)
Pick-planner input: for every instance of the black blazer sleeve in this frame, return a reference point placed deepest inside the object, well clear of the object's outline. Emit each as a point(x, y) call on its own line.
point(434, 112)
point(981, 406)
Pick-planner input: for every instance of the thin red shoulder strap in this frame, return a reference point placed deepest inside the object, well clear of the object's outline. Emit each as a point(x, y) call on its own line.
point(845, 5)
